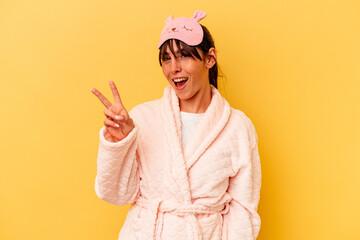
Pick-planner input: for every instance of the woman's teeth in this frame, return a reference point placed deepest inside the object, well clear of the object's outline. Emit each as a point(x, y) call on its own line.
point(180, 79)
point(177, 80)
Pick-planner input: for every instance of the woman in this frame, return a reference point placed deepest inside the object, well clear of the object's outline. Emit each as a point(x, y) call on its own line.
point(188, 162)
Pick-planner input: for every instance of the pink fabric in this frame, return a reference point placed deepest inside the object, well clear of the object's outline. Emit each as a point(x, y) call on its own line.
point(184, 29)
point(210, 190)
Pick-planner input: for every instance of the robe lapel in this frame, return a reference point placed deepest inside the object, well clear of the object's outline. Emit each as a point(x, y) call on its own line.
point(171, 112)
point(213, 122)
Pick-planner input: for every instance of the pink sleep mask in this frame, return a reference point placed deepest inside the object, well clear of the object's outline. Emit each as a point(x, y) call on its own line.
point(187, 30)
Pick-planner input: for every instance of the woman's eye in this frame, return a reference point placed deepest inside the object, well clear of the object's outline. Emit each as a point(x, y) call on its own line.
point(184, 55)
point(166, 58)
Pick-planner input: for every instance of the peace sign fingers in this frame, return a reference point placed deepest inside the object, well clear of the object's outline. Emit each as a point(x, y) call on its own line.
point(118, 123)
point(105, 101)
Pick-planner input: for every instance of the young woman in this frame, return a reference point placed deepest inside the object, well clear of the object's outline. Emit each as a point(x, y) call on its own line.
point(188, 162)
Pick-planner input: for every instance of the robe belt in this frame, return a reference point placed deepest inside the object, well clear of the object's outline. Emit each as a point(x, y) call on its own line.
point(158, 207)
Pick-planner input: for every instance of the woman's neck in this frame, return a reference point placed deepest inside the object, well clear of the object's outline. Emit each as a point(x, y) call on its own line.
point(198, 103)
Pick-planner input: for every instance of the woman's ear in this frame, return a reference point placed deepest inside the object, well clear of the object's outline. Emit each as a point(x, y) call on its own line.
point(210, 58)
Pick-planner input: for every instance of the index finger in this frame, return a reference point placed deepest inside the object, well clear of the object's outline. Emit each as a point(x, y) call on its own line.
point(115, 92)
point(101, 97)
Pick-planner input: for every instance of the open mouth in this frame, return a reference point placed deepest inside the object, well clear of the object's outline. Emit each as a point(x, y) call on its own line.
point(180, 82)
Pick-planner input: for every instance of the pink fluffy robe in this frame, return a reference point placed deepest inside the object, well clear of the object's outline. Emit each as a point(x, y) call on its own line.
point(208, 191)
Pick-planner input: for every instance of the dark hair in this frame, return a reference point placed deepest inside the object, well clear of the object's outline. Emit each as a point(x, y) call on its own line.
point(204, 46)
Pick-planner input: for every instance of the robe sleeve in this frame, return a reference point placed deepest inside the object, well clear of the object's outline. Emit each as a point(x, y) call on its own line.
point(117, 179)
point(242, 221)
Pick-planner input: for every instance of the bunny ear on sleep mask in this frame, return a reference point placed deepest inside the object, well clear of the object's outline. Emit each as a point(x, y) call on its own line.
point(187, 30)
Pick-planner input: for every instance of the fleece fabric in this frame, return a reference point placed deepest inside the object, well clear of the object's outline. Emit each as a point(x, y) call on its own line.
point(208, 191)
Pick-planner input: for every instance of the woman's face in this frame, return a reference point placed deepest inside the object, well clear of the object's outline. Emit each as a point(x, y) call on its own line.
point(188, 76)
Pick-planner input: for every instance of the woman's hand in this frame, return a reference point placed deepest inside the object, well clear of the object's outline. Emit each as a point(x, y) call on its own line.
point(118, 123)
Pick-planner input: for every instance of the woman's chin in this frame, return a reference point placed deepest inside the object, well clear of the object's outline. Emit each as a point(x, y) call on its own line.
point(183, 96)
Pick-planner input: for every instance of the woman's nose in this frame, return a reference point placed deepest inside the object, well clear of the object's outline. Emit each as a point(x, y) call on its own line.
point(175, 65)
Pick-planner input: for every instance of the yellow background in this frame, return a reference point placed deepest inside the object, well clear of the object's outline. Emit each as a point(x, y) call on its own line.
point(292, 66)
